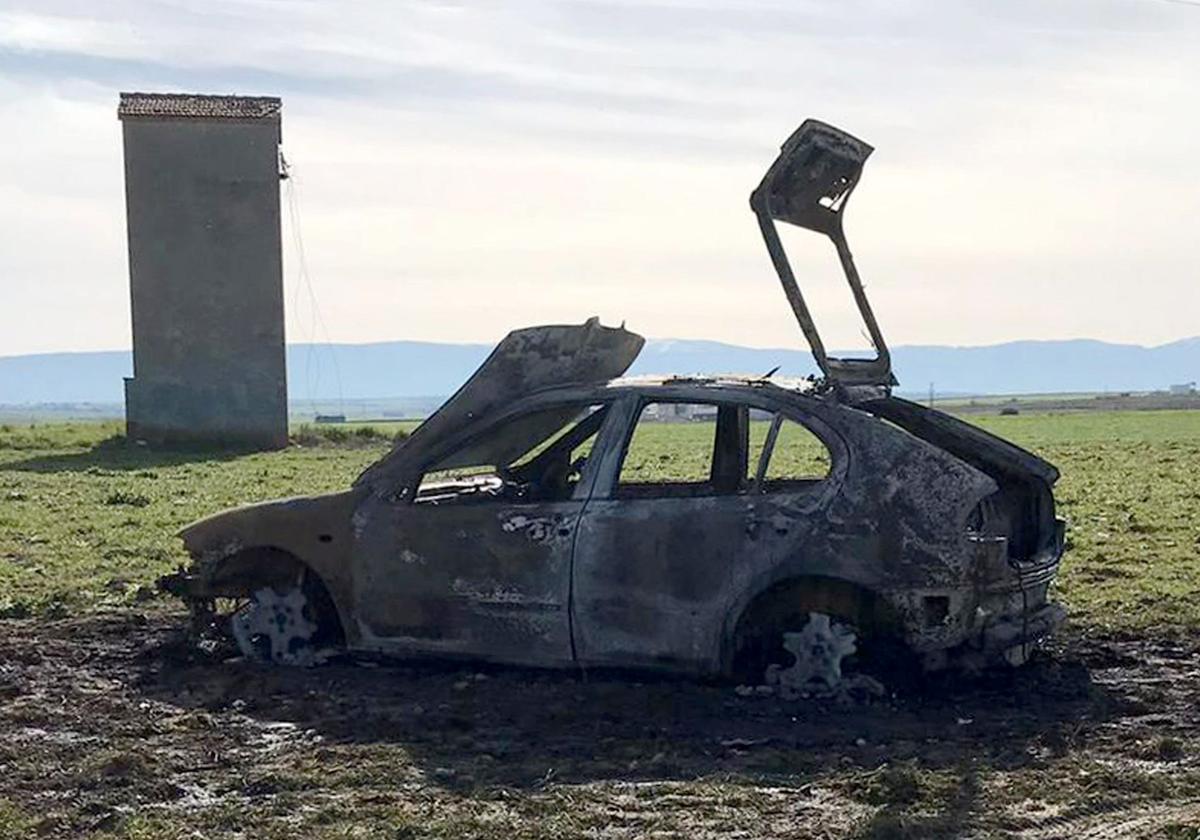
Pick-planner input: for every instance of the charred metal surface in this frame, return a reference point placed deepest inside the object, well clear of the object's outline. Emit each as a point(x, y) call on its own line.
point(525, 361)
point(890, 540)
point(236, 552)
point(484, 579)
point(808, 185)
point(925, 530)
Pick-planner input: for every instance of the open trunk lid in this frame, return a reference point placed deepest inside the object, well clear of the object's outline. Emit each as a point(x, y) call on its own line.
point(808, 185)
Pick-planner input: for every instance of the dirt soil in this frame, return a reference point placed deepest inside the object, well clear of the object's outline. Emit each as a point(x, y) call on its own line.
point(110, 723)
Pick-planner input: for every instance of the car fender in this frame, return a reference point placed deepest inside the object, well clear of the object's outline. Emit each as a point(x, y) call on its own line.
point(241, 545)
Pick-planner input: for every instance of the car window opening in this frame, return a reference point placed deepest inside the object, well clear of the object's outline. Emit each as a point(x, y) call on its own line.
point(681, 449)
point(787, 456)
point(536, 457)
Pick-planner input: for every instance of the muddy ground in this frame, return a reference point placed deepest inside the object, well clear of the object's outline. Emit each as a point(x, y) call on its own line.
point(110, 725)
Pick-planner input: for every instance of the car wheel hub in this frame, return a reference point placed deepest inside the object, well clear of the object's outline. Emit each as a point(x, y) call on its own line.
point(818, 651)
point(275, 628)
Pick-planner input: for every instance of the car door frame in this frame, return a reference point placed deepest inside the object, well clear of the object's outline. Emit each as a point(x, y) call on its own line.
point(696, 644)
point(543, 532)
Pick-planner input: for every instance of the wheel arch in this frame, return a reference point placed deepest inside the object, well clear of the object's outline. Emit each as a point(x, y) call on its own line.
point(786, 600)
point(247, 569)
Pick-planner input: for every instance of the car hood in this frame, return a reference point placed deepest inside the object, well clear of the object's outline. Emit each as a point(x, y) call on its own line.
point(526, 360)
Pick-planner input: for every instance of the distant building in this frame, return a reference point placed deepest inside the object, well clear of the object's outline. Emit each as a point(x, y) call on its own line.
point(1183, 388)
point(681, 412)
point(205, 271)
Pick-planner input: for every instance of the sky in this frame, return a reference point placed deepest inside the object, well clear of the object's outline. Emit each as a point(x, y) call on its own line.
point(462, 169)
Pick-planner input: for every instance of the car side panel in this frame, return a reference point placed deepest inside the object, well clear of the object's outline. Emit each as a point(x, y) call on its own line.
point(663, 581)
point(488, 580)
point(896, 528)
point(896, 525)
point(654, 578)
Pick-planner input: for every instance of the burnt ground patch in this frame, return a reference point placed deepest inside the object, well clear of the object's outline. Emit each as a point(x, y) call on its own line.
point(110, 724)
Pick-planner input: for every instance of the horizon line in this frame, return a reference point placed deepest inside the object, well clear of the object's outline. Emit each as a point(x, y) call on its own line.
point(800, 349)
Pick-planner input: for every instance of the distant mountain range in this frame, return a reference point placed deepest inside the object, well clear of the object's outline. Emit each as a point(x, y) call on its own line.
point(405, 369)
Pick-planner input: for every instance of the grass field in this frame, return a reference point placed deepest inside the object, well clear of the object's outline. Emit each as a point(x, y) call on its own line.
point(107, 728)
point(86, 520)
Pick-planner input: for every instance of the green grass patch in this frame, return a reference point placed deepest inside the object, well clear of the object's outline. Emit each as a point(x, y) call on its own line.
point(316, 434)
point(1130, 490)
point(87, 519)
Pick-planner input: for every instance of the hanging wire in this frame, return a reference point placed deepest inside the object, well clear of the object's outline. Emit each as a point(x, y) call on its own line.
point(312, 372)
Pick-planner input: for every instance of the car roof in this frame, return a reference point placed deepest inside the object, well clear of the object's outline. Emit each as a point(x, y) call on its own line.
point(796, 385)
point(680, 388)
point(676, 387)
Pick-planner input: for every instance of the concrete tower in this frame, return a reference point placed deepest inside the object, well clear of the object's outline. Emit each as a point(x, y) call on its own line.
point(205, 271)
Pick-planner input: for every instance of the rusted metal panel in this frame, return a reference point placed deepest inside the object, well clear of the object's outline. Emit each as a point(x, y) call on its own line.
point(655, 581)
point(315, 529)
point(481, 579)
point(808, 185)
point(653, 578)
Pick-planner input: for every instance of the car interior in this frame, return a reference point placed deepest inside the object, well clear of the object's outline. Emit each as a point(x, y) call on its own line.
point(540, 456)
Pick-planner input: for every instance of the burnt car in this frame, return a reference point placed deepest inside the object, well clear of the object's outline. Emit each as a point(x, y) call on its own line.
point(552, 513)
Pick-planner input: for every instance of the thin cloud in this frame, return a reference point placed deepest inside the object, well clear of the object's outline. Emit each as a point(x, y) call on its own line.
point(561, 159)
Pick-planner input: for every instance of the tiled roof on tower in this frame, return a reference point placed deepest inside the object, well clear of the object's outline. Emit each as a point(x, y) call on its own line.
point(198, 106)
